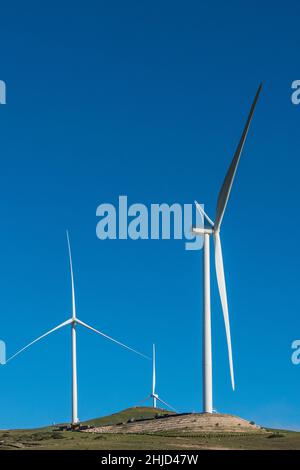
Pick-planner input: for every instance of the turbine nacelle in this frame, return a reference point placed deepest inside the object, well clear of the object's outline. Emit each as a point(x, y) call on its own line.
point(202, 231)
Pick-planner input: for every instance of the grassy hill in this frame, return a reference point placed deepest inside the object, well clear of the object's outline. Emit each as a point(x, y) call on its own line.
point(52, 438)
point(187, 424)
point(124, 416)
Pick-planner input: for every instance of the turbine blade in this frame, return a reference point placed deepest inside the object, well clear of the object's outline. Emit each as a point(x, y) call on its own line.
point(110, 338)
point(203, 213)
point(223, 296)
point(72, 278)
point(139, 403)
point(40, 337)
point(166, 404)
point(153, 370)
point(228, 181)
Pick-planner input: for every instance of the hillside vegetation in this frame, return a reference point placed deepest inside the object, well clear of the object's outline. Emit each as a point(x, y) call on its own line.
point(173, 439)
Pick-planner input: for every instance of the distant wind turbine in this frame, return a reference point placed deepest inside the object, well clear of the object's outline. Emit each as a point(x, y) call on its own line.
point(213, 229)
point(153, 395)
point(73, 321)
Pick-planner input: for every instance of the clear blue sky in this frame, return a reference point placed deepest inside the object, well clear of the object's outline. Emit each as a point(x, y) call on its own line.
point(147, 99)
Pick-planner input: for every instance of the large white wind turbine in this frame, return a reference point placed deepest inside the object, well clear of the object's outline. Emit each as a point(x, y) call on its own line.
point(153, 395)
point(73, 321)
point(213, 229)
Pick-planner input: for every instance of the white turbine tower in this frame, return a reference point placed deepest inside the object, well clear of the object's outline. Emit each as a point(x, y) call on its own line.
point(214, 230)
point(73, 321)
point(153, 395)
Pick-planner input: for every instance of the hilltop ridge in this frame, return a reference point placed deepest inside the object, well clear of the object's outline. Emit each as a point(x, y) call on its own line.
point(141, 420)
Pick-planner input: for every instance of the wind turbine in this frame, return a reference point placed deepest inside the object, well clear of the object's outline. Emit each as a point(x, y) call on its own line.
point(213, 229)
point(153, 395)
point(74, 321)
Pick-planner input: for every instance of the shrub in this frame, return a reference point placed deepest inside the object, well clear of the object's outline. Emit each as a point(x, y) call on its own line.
point(57, 435)
point(275, 435)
